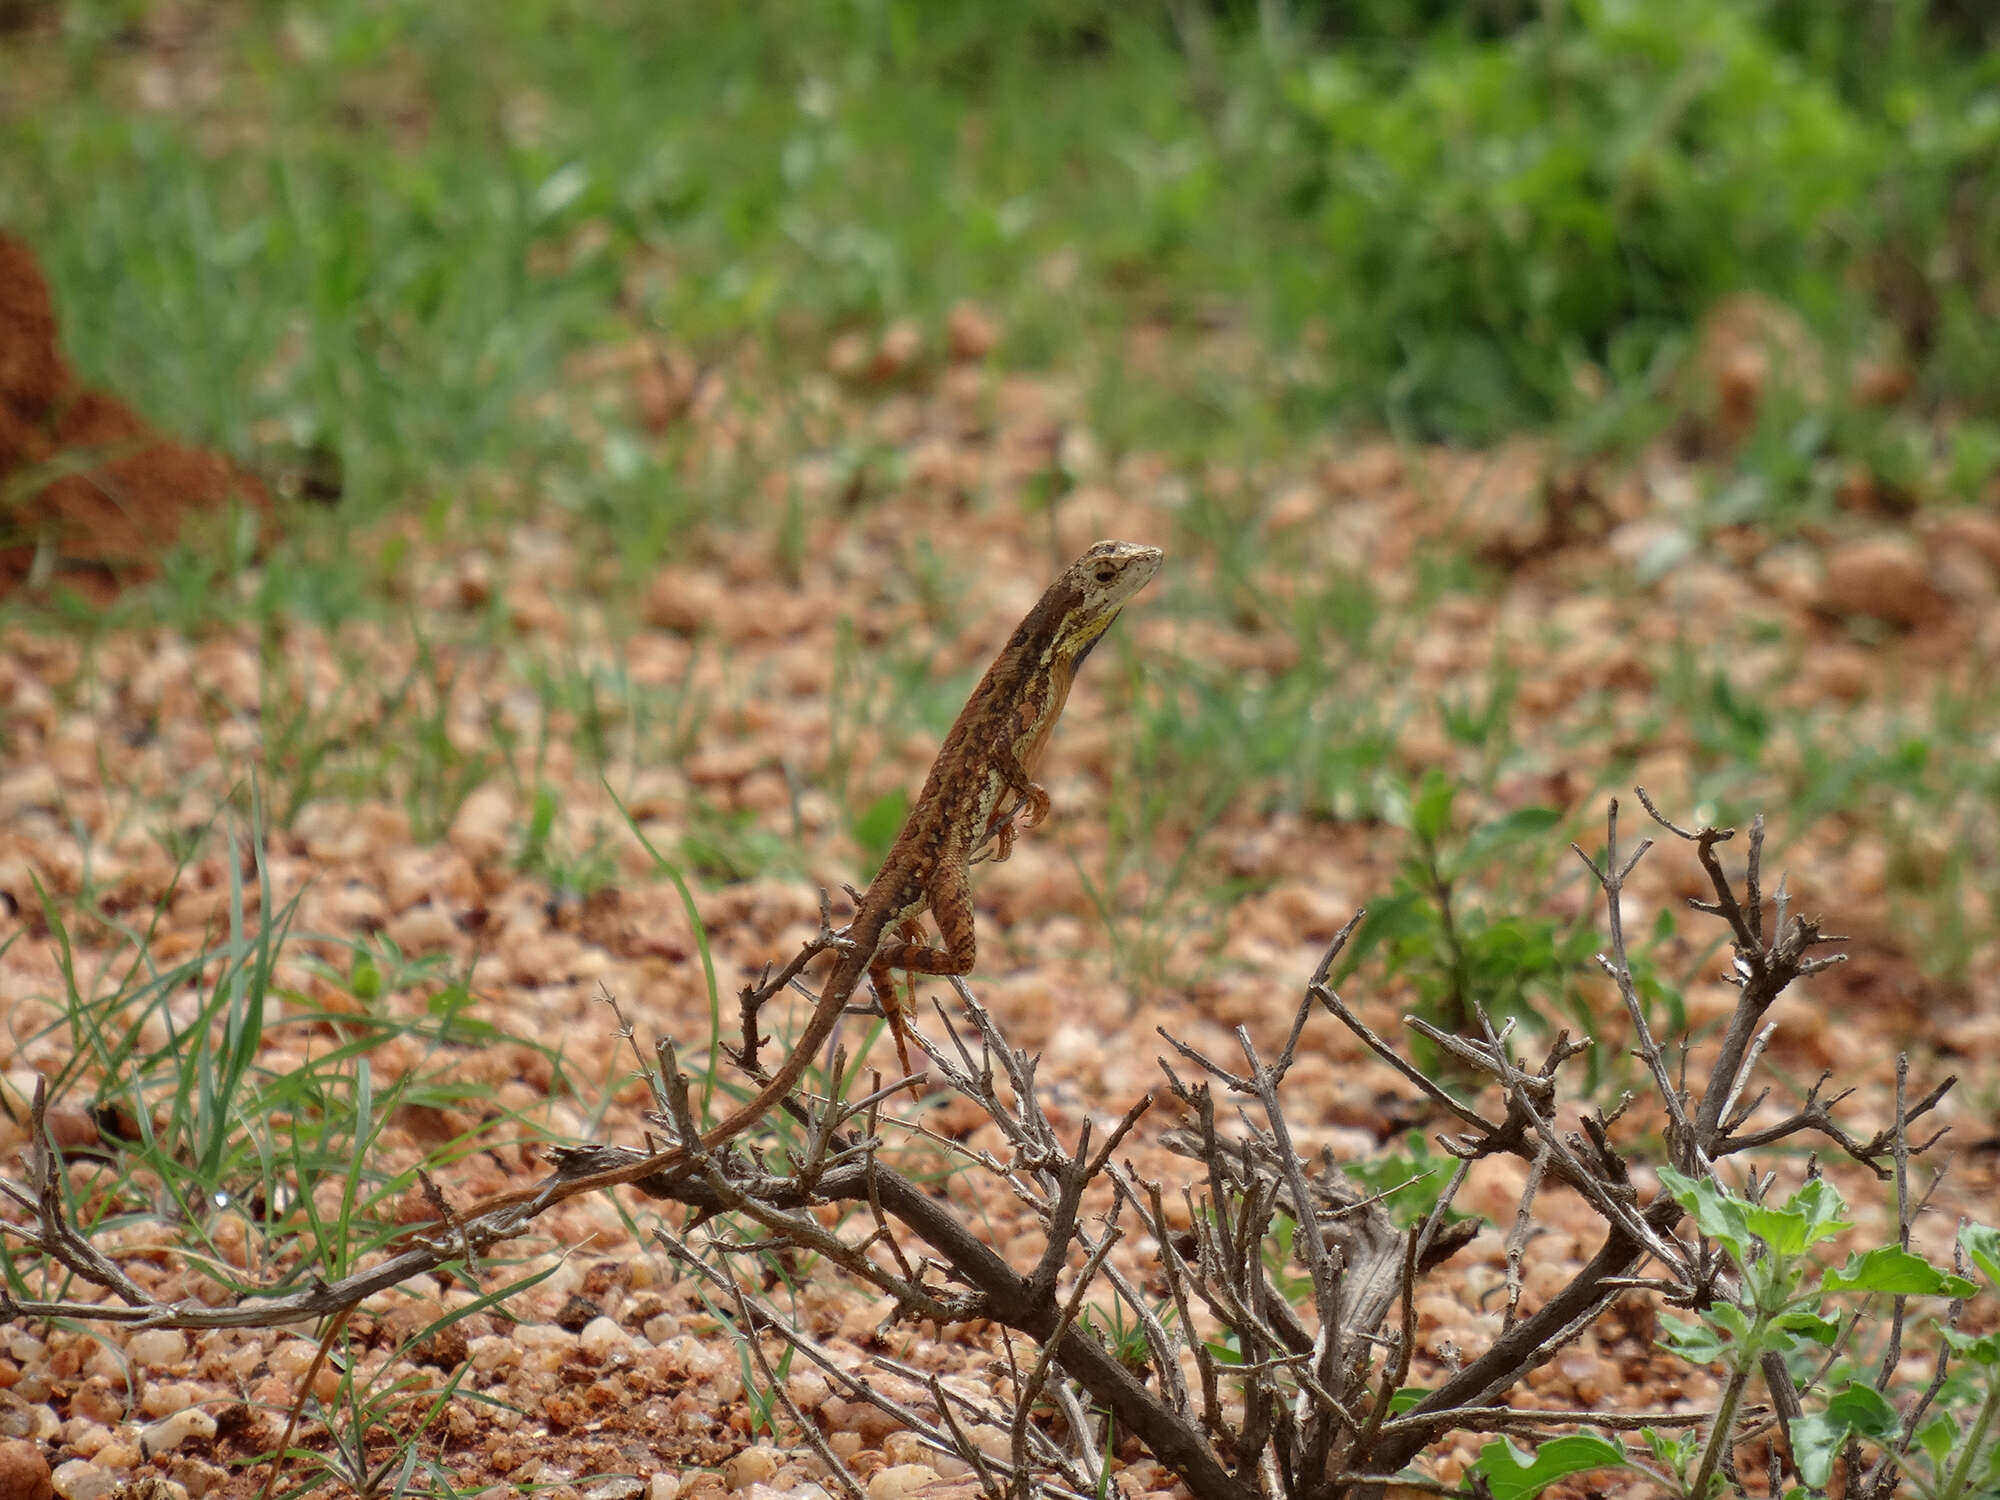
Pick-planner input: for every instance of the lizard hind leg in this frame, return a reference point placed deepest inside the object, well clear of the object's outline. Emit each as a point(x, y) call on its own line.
point(896, 1006)
point(951, 906)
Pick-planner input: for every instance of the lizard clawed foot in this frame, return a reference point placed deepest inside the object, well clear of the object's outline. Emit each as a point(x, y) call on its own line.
point(1031, 807)
point(1037, 806)
point(1001, 833)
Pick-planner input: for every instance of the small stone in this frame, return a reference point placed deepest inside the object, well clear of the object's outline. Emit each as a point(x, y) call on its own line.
point(157, 1348)
point(1791, 573)
point(199, 1478)
point(491, 1353)
point(1962, 575)
point(423, 929)
point(168, 1434)
point(294, 1357)
point(904, 1448)
point(1296, 505)
point(847, 355)
point(683, 600)
point(1973, 531)
point(25, 1411)
point(1882, 577)
point(808, 1389)
point(71, 1129)
point(577, 1313)
point(472, 582)
point(24, 1473)
point(165, 1397)
point(83, 1437)
point(484, 826)
point(661, 1327)
point(1882, 382)
point(1587, 1373)
point(970, 332)
point(898, 1481)
point(751, 1466)
point(29, 789)
point(120, 1456)
point(1845, 673)
point(603, 1339)
point(901, 347)
point(617, 1487)
point(80, 1480)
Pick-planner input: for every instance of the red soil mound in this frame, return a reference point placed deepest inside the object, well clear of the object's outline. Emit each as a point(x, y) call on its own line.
point(89, 494)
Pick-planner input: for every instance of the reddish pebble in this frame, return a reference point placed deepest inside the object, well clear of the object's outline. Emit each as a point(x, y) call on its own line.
point(24, 1473)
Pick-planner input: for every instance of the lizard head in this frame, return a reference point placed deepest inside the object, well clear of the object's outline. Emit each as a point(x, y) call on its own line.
point(1091, 591)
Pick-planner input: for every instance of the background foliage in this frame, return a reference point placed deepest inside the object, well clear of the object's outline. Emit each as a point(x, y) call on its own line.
point(371, 225)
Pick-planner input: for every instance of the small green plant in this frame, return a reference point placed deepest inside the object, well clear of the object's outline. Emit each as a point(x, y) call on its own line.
point(197, 1125)
point(542, 851)
point(1783, 1304)
point(1442, 929)
point(1414, 1176)
point(1513, 1474)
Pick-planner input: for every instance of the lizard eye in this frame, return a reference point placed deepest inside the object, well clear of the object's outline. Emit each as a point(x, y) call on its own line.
point(1105, 575)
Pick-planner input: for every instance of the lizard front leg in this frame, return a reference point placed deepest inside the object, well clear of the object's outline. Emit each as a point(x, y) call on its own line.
point(1030, 805)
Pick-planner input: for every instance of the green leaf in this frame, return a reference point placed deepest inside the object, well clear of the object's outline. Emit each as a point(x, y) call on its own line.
point(1982, 1245)
point(1783, 1229)
point(1406, 1398)
point(1981, 1349)
point(1514, 1475)
point(1400, 915)
point(1717, 1214)
point(1810, 1215)
point(1674, 1450)
point(1859, 1411)
point(1523, 825)
point(1821, 1204)
point(1864, 1411)
point(1732, 1320)
point(1697, 1343)
point(1430, 810)
point(1811, 1325)
point(1816, 1439)
point(1936, 1438)
point(1896, 1271)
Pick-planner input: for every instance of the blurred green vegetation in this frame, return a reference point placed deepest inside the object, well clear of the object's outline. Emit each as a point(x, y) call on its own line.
point(379, 227)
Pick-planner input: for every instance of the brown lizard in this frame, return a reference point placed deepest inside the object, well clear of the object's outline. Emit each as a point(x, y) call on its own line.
point(981, 781)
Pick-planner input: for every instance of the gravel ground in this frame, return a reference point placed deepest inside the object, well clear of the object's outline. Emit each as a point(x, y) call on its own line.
point(619, 1380)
